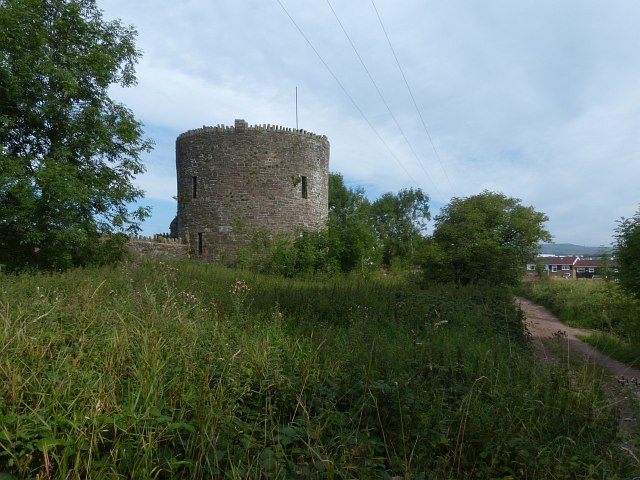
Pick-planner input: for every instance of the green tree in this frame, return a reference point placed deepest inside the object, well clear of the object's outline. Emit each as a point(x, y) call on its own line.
point(483, 238)
point(627, 251)
point(68, 152)
point(400, 220)
point(351, 235)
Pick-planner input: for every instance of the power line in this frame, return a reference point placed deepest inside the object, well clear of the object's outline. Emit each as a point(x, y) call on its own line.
point(415, 104)
point(381, 96)
point(346, 92)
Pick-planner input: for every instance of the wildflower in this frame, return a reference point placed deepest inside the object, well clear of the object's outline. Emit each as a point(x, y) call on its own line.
point(41, 297)
point(240, 297)
point(276, 313)
point(239, 288)
point(189, 296)
point(135, 265)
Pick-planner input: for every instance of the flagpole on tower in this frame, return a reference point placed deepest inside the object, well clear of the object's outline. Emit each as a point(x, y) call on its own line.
point(296, 107)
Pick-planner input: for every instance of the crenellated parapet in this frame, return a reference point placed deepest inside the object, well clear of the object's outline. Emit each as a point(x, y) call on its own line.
point(244, 127)
point(157, 238)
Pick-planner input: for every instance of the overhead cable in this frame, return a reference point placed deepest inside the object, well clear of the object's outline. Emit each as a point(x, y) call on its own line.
point(382, 96)
point(347, 93)
point(415, 104)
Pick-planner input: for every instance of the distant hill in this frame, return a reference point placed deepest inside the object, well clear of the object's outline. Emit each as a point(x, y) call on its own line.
point(567, 249)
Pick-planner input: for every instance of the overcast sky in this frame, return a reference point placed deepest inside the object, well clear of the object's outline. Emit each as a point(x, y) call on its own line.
point(537, 99)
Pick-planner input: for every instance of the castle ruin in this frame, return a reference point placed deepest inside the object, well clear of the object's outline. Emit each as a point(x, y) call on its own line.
point(234, 181)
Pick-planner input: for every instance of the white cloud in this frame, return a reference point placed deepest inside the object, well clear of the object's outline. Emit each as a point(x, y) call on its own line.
point(536, 99)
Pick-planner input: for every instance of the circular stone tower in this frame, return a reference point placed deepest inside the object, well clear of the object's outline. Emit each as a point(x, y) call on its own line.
point(235, 181)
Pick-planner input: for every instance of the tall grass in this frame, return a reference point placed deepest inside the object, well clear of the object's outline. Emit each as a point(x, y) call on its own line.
point(187, 370)
point(593, 304)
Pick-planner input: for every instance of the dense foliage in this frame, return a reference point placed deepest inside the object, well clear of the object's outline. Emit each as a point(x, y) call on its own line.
point(68, 152)
point(484, 238)
point(351, 236)
point(400, 221)
point(188, 370)
point(627, 250)
point(360, 235)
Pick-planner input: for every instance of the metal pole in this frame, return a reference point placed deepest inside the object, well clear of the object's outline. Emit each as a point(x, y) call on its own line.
point(296, 107)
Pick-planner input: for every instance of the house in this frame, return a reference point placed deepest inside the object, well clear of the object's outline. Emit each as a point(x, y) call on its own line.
point(573, 267)
point(595, 268)
point(560, 267)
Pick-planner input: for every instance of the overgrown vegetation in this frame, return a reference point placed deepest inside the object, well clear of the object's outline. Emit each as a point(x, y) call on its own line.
point(600, 305)
point(188, 370)
point(360, 236)
point(481, 239)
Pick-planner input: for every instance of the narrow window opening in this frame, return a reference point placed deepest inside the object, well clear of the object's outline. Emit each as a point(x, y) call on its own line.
point(195, 186)
point(305, 192)
point(199, 243)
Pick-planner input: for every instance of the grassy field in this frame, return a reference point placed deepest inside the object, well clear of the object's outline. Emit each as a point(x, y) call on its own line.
point(186, 370)
point(599, 305)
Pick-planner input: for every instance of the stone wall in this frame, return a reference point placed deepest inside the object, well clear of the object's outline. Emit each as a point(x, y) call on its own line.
point(157, 247)
point(233, 181)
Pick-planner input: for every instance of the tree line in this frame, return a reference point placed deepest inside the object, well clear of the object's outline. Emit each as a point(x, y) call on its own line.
point(484, 238)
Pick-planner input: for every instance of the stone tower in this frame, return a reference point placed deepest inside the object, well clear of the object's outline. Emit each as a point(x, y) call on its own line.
point(233, 181)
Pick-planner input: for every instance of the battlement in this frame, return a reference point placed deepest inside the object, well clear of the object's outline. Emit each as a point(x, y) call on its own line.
point(243, 126)
point(157, 238)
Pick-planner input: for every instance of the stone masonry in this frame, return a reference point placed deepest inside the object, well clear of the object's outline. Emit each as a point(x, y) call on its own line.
point(234, 181)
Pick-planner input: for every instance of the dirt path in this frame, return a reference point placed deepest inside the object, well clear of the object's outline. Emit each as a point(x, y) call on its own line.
point(544, 326)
